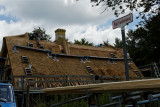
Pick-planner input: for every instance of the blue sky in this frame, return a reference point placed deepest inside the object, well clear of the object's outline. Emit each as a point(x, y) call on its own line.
point(80, 19)
point(8, 18)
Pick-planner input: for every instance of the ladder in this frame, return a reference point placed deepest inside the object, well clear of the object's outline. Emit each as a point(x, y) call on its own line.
point(31, 82)
point(30, 45)
point(25, 59)
point(28, 71)
point(130, 67)
point(36, 35)
point(156, 70)
point(89, 69)
point(41, 47)
point(137, 73)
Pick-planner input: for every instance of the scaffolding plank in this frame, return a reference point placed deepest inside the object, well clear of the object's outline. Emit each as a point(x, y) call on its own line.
point(135, 85)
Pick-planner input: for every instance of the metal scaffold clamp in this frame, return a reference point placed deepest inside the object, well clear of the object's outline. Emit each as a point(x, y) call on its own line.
point(114, 61)
point(82, 60)
point(15, 49)
point(55, 57)
point(108, 59)
point(49, 54)
point(86, 58)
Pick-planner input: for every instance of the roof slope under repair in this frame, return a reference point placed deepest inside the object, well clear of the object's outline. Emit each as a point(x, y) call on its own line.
point(43, 65)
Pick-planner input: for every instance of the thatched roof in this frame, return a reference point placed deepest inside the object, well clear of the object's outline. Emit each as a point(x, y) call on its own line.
point(42, 65)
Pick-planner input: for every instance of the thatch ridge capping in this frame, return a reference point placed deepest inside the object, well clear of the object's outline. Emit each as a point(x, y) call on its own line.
point(21, 35)
point(60, 30)
point(105, 48)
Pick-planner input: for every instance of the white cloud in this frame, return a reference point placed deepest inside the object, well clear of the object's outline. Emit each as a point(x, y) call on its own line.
point(80, 19)
point(57, 12)
point(92, 34)
point(2, 12)
point(68, 2)
point(12, 28)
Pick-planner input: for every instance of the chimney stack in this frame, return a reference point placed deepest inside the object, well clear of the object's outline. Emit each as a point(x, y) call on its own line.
point(60, 33)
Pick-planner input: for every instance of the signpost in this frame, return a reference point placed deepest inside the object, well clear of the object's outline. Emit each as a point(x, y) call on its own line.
point(120, 23)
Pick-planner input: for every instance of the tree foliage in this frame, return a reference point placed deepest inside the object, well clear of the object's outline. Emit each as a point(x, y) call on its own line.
point(120, 6)
point(83, 41)
point(144, 43)
point(106, 43)
point(118, 43)
point(41, 34)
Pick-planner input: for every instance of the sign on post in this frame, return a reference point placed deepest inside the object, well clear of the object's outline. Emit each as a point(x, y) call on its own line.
point(119, 23)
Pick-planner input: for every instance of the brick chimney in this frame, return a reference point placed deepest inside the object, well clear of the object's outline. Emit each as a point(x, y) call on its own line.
point(60, 33)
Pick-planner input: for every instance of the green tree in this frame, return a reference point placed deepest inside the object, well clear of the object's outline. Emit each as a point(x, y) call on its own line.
point(106, 43)
point(118, 43)
point(83, 41)
point(41, 34)
point(120, 6)
point(144, 43)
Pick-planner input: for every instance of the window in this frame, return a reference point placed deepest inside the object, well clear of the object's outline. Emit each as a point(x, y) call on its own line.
point(6, 94)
